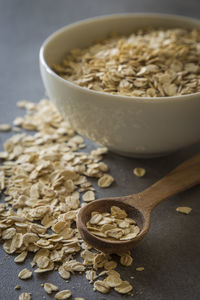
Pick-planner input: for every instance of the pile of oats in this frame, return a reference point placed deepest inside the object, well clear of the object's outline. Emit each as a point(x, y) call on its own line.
point(113, 226)
point(44, 176)
point(148, 63)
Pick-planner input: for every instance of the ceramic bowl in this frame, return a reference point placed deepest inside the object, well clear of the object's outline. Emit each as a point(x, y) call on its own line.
point(130, 126)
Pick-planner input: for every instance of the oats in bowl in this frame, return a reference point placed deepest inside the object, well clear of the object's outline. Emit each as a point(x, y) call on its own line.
point(147, 63)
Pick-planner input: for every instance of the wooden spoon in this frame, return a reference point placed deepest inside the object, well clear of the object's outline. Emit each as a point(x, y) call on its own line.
point(139, 206)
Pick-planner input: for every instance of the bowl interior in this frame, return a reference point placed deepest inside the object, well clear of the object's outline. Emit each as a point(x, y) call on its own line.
point(85, 33)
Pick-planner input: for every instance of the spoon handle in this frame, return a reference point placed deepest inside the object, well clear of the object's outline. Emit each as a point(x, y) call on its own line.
point(184, 176)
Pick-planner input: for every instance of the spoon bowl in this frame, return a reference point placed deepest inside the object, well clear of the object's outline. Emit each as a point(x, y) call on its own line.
point(139, 206)
point(104, 205)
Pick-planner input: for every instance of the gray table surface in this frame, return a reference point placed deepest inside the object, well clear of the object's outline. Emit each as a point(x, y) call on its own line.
point(170, 253)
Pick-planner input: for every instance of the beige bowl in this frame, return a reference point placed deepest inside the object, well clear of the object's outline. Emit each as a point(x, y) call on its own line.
point(131, 126)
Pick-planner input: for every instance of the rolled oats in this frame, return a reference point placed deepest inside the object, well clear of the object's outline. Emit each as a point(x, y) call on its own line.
point(113, 281)
point(101, 286)
point(49, 267)
point(43, 262)
point(25, 296)
point(124, 288)
point(96, 219)
point(184, 209)
point(89, 196)
point(148, 63)
point(126, 260)
point(8, 233)
point(25, 274)
point(113, 273)
point(17, 287)
point(43, 177)
point(110, 265)
point(65, 294)
point(139, 172)
point(5, 127)
point(21, 257)
point(50, 287)
point(140, 269)
point(105, 181)
point(3, 155)
point(114, 225)
point(91, 275)
point(63, 273)
point(118, 212)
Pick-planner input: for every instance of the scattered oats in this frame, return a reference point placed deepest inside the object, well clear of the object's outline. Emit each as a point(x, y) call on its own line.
point(113, 273)
point(49, 288)
point(184, 209)
point(91, 275)
point(103, 167)
point(110, 265)
point(65, 294)
point(89, 196)
point(63, 273)
point(139, 172)
point(18, 121)
point(5, 127)
point(25, 274)
point(74, 265)
point(50, 267)
point(124, 288)
point(17, 287)
point(126, 260)
point(113, 281)
point(101, 286)
point(3, 155)
point(42, 177)
point(105, 181)
point(25, 296)
point(140, 269)
point(21, 257)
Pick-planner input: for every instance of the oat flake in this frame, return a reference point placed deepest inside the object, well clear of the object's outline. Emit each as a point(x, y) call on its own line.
point(65, 294)
point(184, 209)
point(25, 274)
point(25, 296)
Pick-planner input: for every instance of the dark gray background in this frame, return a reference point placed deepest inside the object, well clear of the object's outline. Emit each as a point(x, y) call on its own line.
point(170, 252)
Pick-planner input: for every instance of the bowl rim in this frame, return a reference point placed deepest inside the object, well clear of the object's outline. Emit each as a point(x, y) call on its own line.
point(118, 97)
